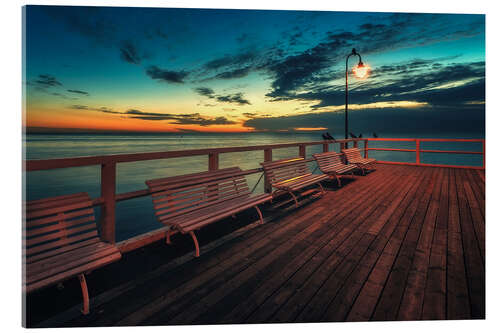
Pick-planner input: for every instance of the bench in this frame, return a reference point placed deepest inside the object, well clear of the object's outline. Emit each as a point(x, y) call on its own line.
point(353, 156)
point(189, 202)
point(291, 175)
point(331, 164)
point(60, 241)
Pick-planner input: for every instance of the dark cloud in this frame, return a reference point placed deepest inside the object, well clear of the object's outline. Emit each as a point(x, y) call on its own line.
point(233, 98)
point(423, 120)
point(129, 53)
point(180, 119)
point(236, 98)
point(164, 75)
point(101, 109)
point(81, 92)
point(229, 60)
point(90, 22)
point(204, 91)
point(303, 71)
point(234, 74)
point(47, 80)
point(79, 107)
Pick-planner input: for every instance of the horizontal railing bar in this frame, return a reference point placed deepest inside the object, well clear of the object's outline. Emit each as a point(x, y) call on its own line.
point(426, 139)
point(451, 151)
point(433, 165)
point(392, 149)
point(58, 163)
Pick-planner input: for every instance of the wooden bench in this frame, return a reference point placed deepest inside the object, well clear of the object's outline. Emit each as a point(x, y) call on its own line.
point(331, 164)
point(189, 202)
point(60, 241)
point(353, 156)
point(291, 175)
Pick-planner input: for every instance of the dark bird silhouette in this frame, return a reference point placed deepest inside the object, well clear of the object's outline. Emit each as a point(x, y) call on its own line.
point(352, 135)
point(329, 136)
point(360, 135)
point(325, 137)
point(375, 135)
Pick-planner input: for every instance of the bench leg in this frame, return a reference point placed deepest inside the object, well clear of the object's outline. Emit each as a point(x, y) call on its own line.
point(85, 294)
point(321, 188)
point(294, 199)
point(338, 180)
point(196, 246)
point(260, 214)
point(168, 237)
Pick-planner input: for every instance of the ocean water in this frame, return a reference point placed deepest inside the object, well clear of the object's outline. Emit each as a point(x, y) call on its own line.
point(135, 216)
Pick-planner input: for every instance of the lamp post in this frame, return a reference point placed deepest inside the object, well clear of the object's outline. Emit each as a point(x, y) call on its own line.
point(361, 72)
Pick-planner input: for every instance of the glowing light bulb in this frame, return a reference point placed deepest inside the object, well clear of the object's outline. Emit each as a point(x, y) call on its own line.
point(361, 71)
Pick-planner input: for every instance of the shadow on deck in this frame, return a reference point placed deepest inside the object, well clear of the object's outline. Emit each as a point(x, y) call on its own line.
point(402, 243)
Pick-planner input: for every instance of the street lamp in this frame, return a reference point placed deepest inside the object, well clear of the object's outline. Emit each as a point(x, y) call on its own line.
point(361, 71)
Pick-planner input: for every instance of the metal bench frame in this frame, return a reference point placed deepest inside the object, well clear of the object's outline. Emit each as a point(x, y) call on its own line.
point(353, 156)
point(187, 203)
point(331, 164)
point(291, 175)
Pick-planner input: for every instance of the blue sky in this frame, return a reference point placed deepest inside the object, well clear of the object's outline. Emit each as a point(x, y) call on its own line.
point(160, 69)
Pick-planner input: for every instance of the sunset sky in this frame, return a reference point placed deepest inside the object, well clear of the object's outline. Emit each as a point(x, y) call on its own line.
point(159, 69)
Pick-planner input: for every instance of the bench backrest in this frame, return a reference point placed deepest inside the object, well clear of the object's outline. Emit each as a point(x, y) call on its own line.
point(329, 160)
point(285, 169)
point(352, 155)
point(174, 196)
point(58, 224)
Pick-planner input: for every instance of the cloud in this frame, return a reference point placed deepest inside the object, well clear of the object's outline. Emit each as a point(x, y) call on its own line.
point(204, 91)
point(421, 120)
point(90, 22)
point(164, 75)
point(234, 74)
point(229, 60)
point(47, 80)
point(180, 119)
point(236, 98)
point(129, 53)
point(81, 92)
point(101, 109)
point(233, 98)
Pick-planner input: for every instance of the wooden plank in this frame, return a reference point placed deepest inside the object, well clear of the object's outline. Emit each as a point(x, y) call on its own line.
point(376, 265)
point(458, 306)
point(244, 306)
point(388, 303)
point(473, 262)
point(382, 228)
point(108, 192)
point(434, 304)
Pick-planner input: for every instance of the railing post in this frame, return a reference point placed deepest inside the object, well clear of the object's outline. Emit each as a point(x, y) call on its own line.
point(268, 157)
point(355, 144)
point(213, 161)
point(325, 147)
point(417, 151)
point(302, 151)
point(108, 193)
point(366, 148)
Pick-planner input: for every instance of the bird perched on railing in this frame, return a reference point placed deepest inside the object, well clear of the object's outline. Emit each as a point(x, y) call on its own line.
point(324, 136)
point(375, 135)
point(352, 135)
point(360, 135)
point(329, 136)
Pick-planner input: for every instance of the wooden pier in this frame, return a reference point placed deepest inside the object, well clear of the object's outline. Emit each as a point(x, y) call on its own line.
point(404, 242)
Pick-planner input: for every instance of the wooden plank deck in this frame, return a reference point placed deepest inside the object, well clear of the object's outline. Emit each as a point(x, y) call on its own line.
point(402, 243)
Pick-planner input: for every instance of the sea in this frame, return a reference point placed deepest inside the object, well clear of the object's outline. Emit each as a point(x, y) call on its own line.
point(135, 216)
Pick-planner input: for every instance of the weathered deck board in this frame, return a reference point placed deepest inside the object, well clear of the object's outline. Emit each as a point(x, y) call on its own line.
point(403, 242)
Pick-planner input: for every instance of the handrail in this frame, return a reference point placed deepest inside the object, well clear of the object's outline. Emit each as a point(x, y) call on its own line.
point(109, 197)
point(418, 150)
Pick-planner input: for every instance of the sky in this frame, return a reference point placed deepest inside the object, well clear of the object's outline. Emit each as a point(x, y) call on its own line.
point(185, 70)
